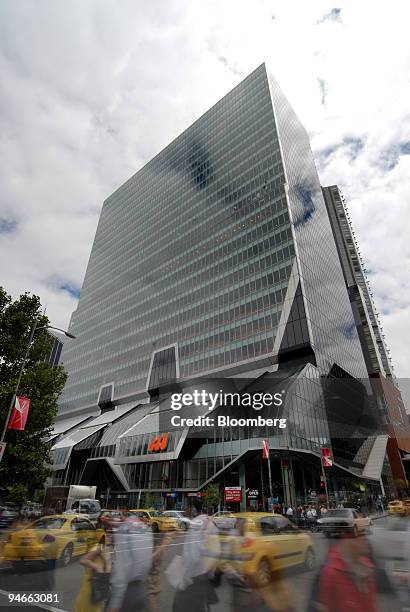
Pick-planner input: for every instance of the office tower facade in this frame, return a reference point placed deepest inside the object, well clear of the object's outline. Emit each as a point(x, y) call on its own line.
point(206, 249)
point(215, 260)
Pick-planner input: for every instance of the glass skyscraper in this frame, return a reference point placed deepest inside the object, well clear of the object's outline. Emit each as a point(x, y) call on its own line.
point(217, 255)
point(215, 264)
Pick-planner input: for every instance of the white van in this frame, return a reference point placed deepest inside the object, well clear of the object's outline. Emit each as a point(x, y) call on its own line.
point(90, 508)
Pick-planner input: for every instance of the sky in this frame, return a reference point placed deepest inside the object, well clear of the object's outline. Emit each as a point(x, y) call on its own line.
point(92, 89)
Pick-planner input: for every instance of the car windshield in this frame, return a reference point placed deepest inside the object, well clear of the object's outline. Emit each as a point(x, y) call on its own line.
point(155, 513)
point(49, 523)
point(332, 513)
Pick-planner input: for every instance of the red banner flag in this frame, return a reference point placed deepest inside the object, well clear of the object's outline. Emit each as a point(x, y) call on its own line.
point(265, 447)
point(18, 417)
point(326, 457)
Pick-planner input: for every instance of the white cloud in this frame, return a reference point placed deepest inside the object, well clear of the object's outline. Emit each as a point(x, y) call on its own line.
point(92, 90)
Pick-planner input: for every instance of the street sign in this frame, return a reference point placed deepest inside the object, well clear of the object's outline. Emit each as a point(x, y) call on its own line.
point(233, 494)
point(2, 449)
point(253, 493)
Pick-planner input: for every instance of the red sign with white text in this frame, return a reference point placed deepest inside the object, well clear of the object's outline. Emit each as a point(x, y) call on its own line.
point(233, 494)
point(19, 414)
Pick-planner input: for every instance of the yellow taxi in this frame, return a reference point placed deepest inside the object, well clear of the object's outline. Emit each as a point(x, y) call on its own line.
point(262, 543)
point(398, 507)
point(155, 519)
point(59, 537)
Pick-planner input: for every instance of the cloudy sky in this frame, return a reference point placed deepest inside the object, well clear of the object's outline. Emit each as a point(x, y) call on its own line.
point(92, 89)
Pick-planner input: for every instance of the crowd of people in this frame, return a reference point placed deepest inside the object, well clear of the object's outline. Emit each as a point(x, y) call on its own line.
point(124, 573)
point(349, 580)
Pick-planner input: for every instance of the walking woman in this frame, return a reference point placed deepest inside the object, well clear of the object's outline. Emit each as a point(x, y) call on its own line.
point(95, 587)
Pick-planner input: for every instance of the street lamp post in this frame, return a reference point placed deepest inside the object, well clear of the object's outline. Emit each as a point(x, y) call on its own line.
point(16, 389)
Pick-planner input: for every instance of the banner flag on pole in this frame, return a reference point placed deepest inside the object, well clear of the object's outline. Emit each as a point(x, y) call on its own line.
point(326, 457)
point(265, 447)
point(18, 417)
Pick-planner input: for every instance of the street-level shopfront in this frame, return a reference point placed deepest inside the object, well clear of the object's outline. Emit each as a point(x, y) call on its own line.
point(244, 482)
point(137, 458)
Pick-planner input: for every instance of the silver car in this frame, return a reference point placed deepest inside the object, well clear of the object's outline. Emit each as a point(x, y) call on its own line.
point(344, 520)
point(184, 522)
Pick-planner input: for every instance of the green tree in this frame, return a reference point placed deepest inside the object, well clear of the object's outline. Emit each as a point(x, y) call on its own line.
point(17, 493)
point(24, 464)
point(211, 496)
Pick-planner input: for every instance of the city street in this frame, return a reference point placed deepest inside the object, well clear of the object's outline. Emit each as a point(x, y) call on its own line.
point(67, 581)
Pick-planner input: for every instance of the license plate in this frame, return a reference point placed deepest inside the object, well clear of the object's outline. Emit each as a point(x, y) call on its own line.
point(25, 541)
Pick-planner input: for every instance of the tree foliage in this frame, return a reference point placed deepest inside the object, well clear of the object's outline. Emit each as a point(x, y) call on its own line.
point(211, 495)
point(24, 463)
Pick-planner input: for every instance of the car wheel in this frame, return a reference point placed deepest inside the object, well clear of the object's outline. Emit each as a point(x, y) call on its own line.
point(155, 527)
point(183, 526)
point(310, 560)
point(263, 574)
point(66, 555)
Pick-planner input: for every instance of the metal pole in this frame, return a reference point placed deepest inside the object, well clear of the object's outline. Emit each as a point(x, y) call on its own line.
point(16, 390)
point(262, 485)
point(270, 476)
point(325, 481)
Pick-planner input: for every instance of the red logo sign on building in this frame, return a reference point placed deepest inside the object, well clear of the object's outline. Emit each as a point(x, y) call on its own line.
point(233, 494)
point(158, 443)
point(19, 414)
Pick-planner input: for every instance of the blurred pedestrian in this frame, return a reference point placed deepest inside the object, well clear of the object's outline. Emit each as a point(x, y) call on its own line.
point(347, 582)
point(153, 579)
point(289, 513)
point(133, 543)
point(94, 590)
point(196, 590)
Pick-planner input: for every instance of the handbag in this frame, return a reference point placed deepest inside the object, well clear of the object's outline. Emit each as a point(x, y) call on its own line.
point(100, 586)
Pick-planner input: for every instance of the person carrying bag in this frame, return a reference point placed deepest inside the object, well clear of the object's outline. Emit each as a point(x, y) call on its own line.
point(95, 588)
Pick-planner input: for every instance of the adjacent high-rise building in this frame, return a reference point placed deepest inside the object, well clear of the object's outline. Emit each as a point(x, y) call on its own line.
point(53, 358)
point(379, 366)
point(217, 259)
point(374, 347)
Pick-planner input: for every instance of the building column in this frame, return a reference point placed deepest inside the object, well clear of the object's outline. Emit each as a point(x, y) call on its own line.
point(292, 489)
point(284, 461)
point(303, 482)
point(242, 483)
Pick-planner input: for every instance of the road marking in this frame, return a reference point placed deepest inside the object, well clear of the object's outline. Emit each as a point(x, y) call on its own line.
point(43, 606)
